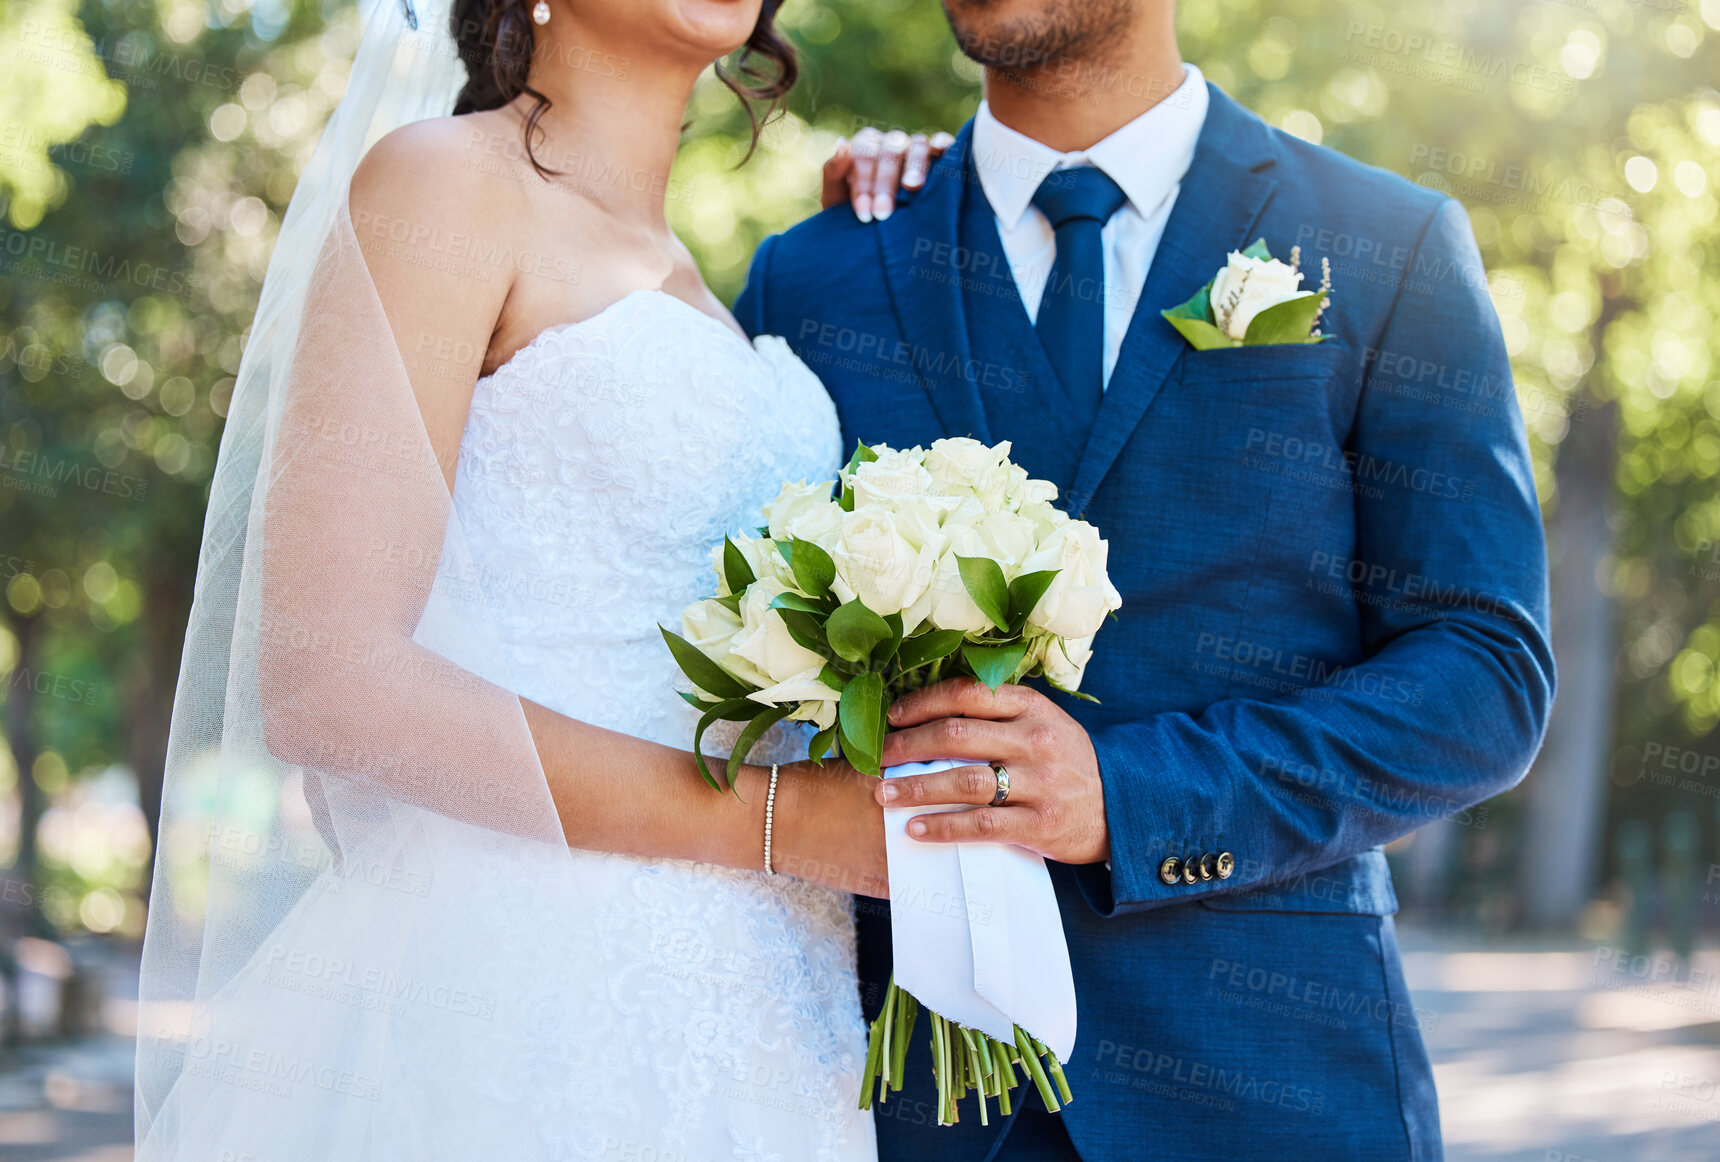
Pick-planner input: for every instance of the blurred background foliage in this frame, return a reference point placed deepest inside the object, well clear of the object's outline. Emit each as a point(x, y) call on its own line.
point(148, 149)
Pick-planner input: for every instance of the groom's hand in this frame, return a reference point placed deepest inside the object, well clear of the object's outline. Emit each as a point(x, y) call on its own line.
point(1056, 804)
point(866, 171)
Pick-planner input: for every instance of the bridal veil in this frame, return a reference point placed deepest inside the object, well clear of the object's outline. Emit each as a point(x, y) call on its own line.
point(343, 734)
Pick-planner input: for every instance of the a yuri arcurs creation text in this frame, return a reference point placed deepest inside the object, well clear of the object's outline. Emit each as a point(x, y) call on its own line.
point(929, 563)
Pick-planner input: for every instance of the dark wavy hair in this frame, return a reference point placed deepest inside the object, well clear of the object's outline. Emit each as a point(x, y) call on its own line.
point(495, 41)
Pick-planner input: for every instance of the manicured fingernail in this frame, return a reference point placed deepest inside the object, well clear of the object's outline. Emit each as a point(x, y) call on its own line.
point(890, 791)
point(885, 207)
point(863, 207)
point(917, 829)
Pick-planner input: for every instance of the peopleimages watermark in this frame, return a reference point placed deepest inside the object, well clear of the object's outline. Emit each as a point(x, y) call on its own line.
point(874, 353)
point(130, 58)
point(1300, 998)
point(1265, 449)
point(464, 255)
point(1198, 1082)
point(1480, 178)
point(1445, 61)
point(47, 684)
point(81, 268)
point(40, 474)
point(1273, 667)
point(1324, 787)
point(1401, 590)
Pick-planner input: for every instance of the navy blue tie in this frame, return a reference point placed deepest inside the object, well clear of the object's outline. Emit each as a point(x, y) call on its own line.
point(1071, 323)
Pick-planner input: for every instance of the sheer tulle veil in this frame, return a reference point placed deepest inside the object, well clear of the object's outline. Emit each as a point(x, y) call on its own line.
point(343, 738)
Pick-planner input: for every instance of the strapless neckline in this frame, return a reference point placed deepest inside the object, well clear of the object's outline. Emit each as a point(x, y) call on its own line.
point(589, 321)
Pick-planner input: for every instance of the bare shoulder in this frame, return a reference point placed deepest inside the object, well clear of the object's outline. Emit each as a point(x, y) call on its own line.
point(428, 175)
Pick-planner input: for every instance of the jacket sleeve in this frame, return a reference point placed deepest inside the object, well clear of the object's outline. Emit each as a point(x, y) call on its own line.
point(750, 306)
point(1449, 701)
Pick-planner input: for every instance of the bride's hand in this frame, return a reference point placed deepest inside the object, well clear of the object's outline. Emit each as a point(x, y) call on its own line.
point(829, 828)
point(866, 171)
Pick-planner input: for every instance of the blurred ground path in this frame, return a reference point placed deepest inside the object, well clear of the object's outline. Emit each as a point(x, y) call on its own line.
point(1569, 1051)
point(1548, 1051)
point(72, 1102)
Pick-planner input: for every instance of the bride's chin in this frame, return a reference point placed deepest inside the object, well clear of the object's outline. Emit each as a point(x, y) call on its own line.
point(714, 28)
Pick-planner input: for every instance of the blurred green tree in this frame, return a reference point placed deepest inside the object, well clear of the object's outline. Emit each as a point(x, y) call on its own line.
point(1580, 135)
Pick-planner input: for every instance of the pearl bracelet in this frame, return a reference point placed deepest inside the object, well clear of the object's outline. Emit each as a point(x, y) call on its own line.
point(769, 818)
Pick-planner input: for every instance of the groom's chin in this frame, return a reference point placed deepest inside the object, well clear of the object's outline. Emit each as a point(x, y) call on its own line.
point(1031, 34)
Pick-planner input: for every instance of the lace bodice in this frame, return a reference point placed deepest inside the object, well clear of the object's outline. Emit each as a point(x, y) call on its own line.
point(598, 468)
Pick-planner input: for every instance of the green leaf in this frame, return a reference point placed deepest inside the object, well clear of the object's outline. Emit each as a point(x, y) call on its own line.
point(994, 665)
point(861, 717)
point(1199, 306)
point(1024, 593)
point(1201, 335)
point(731, 601)
point(928, 647)
point(706, 674)
point(813, 568)
point(788, 600)
point(854, 630)
point(754, 730)
point(886, 650)
point(737, 574)
point(833, 677)
point(1287, 322)
point(805, 630)
point(985, 584)
point(819, 747)
point(733, 709)
point(727, 710)
point(862, 455)
point(1257, 249)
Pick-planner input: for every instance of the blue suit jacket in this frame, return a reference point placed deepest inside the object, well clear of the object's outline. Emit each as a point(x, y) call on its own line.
point(1333, 631)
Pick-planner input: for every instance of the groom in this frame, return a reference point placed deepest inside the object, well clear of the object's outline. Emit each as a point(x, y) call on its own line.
point(1334, 621)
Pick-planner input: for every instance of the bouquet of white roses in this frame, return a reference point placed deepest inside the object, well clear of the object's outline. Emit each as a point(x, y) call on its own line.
point(929, 563)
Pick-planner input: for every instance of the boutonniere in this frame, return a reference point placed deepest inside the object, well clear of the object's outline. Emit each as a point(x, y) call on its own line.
point(1255, 300)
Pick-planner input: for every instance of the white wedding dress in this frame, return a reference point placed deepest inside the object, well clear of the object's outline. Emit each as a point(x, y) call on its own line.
point(599, 1006)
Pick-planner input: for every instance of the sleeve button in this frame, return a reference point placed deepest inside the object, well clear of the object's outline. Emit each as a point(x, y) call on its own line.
point(1226, 865)
point(1208, 866)
point(1170, 871)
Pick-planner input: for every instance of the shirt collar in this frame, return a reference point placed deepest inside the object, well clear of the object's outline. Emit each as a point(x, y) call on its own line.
point(1147, 157)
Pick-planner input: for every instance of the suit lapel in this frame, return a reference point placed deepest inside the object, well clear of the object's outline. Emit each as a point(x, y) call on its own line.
point(1226, 187)
point(919, 250)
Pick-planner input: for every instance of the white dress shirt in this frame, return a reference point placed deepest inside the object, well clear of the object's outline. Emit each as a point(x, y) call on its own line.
point(1147, 158)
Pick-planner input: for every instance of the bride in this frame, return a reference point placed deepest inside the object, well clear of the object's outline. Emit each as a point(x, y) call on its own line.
point(438, 879)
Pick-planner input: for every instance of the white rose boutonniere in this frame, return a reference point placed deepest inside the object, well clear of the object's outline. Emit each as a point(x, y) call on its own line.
point(1254, 301)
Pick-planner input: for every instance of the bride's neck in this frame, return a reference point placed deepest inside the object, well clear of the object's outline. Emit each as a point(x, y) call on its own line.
point(611, 114)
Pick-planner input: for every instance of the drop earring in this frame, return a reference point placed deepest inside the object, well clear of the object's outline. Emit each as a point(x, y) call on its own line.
point(540, 12)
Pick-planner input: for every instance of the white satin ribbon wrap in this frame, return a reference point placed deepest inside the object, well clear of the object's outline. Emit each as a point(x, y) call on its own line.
point(976, 931)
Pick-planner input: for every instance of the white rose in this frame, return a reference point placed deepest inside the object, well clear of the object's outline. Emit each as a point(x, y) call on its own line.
point(805, 512)
point(893, 474)
point(764, 639)
point(1065, 661)
point(1024, 489)
point(711, 627)
point(950, 606)
point(1079, 597)
point(877, 563)
point(1009, 539)
point(818, 702)
point(1045, 517)
point(964, 467)
point(1247, 286)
